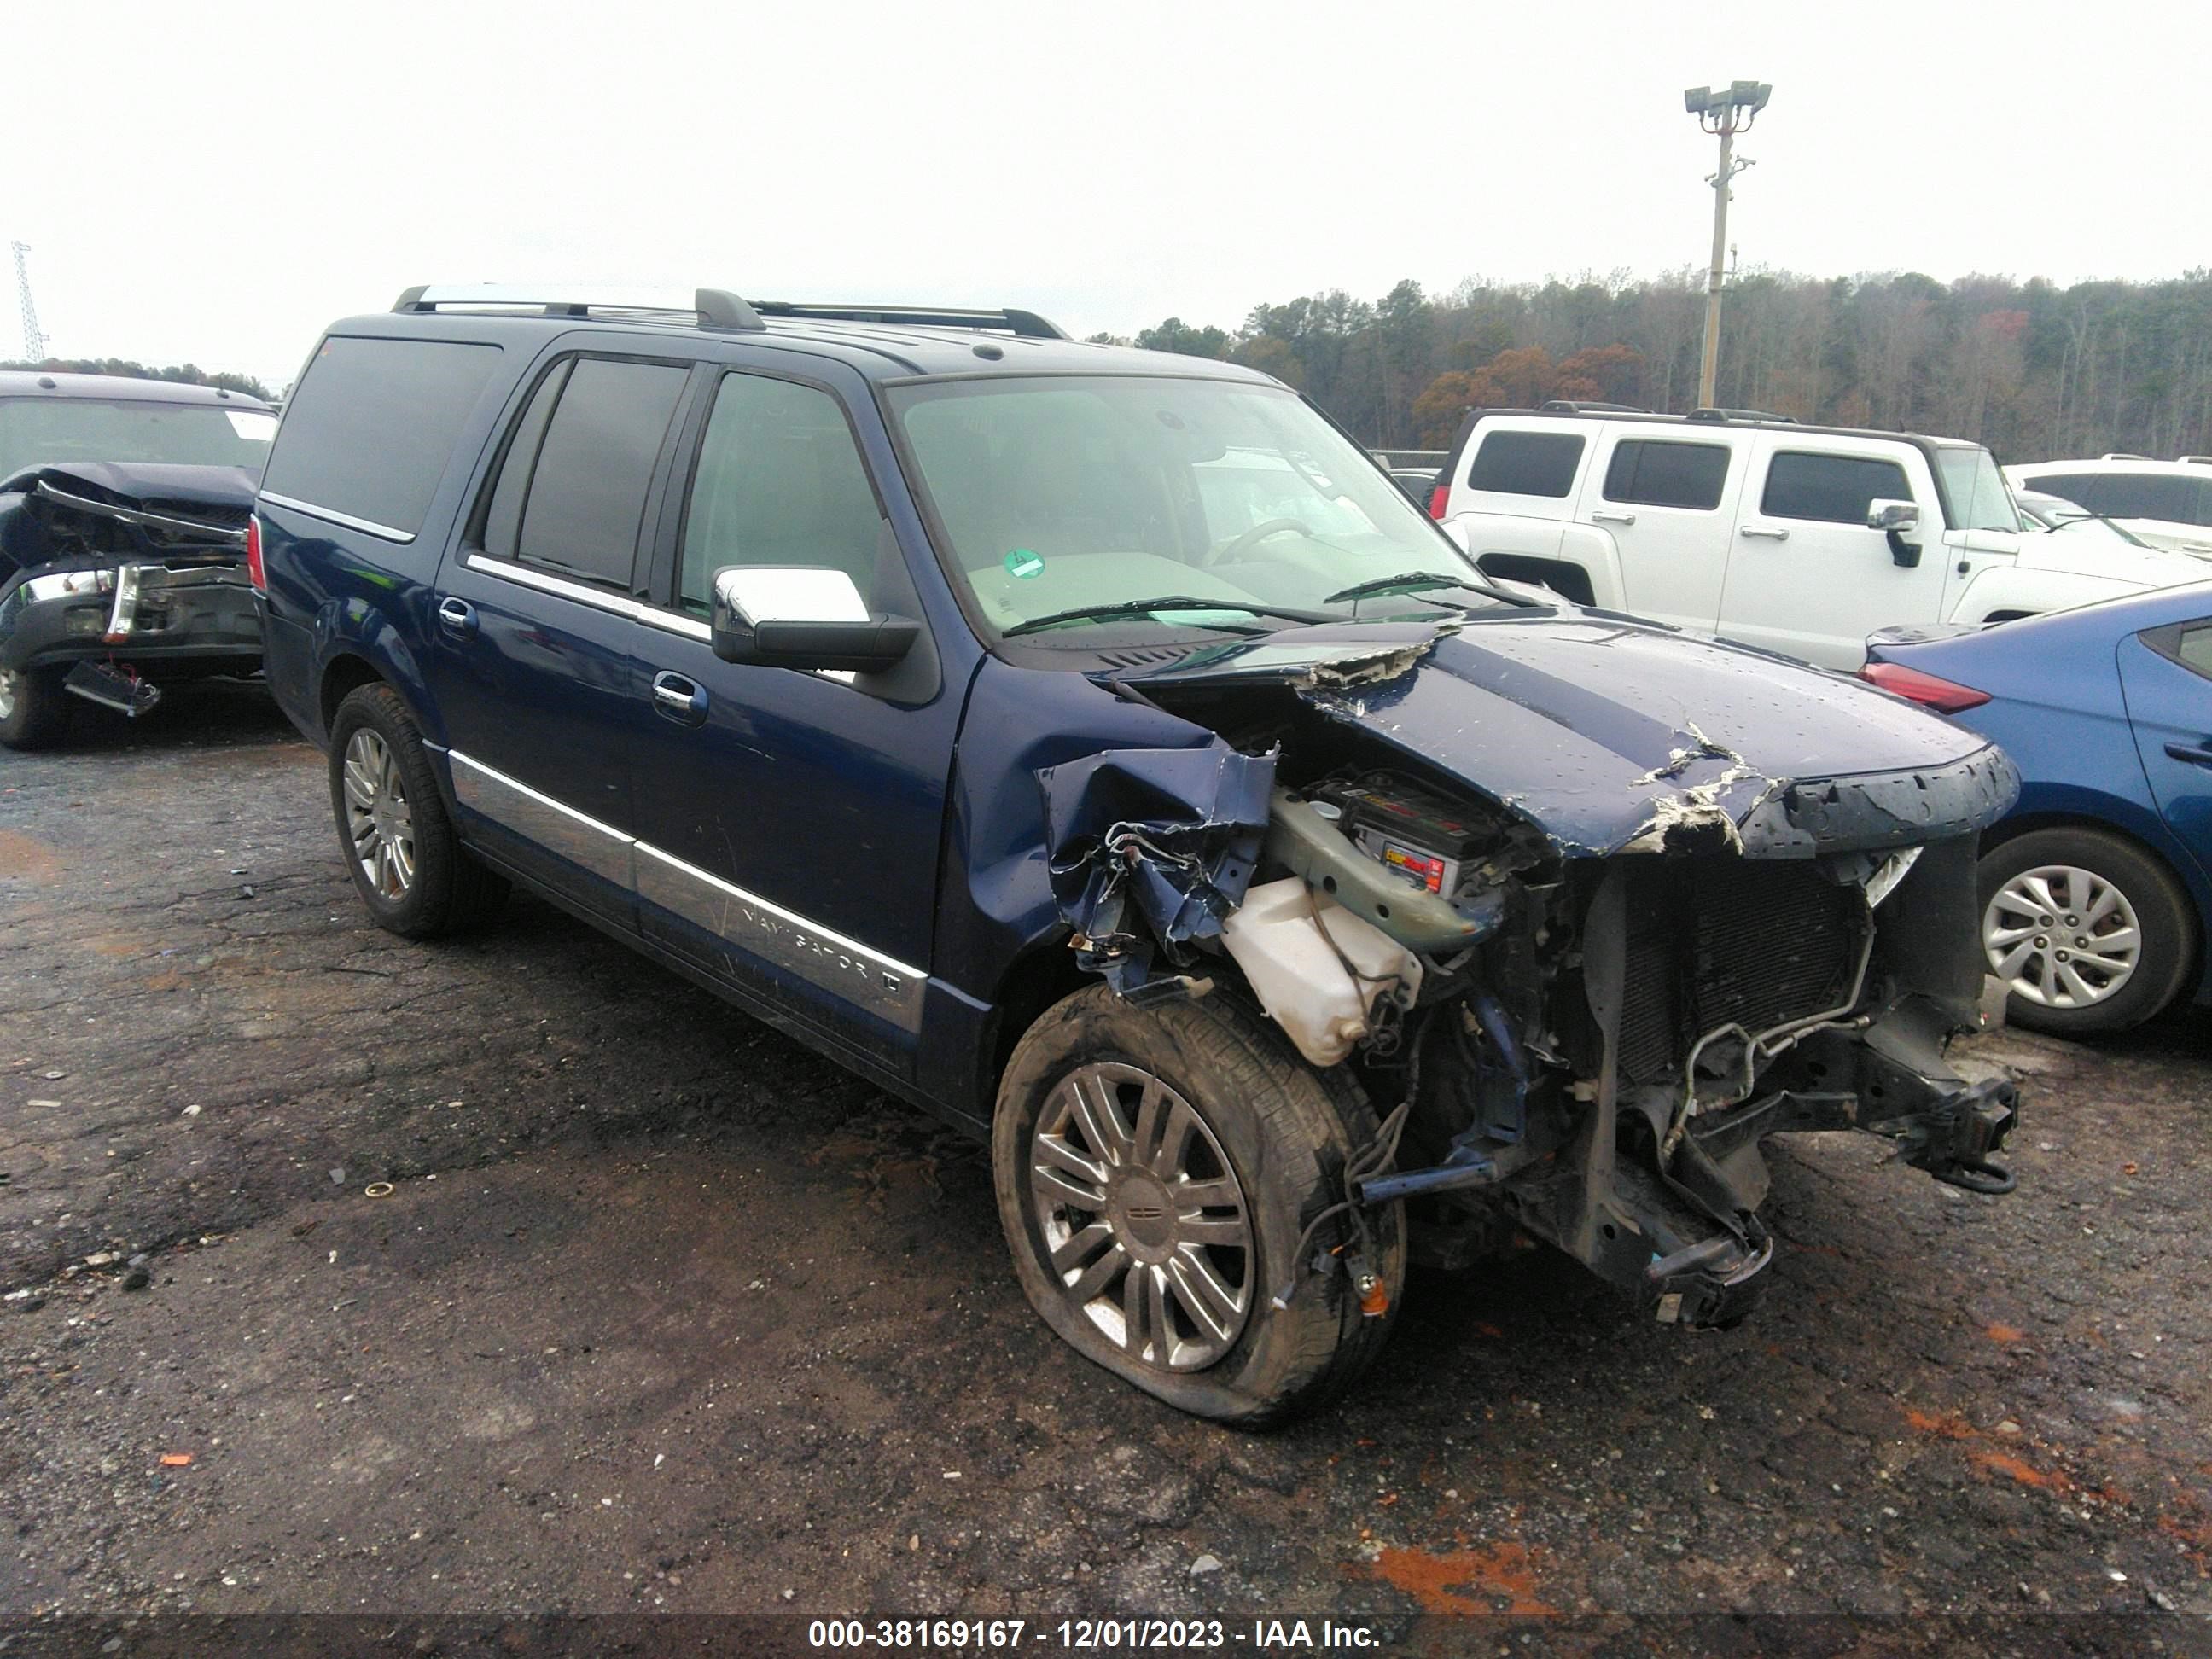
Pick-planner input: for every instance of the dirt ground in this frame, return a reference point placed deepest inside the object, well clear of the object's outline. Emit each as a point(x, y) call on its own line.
point(663, 1313)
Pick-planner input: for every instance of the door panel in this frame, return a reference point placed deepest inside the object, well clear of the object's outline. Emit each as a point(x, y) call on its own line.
point(1805, 576)
point(1669, 506)
point(2170, 706)
point(788, 822)
point(540, 692)
point(533, 657)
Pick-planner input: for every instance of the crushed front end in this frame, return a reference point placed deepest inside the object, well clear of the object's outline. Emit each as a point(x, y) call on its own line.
point(1580, 1025)
point(1679, 1011)
point(107, 570)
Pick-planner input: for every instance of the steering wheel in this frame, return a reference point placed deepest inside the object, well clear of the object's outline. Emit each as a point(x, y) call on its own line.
point(1258, 533)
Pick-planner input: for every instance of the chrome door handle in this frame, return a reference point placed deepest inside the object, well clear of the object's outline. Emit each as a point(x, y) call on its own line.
point(1769, 532)
point(679, 699)
point(458, 616)
point(1602, 516)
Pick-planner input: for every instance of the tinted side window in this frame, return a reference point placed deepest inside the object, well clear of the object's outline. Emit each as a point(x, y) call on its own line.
point(2067, 486)
point(1526, 463)
point(504, 517)
point(371, 423)
point(1657, 474)
point(587, 491)
point(779, 482)
point(2189, 643)
point(2148, 496)
point(1833, 488)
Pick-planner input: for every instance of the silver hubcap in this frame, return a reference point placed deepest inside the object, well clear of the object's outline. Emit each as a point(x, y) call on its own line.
point(10, 686)
point(379, 821)
point(1142, 1217)
point(2063, 937)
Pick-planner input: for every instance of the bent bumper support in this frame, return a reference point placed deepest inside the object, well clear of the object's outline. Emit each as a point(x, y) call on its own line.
point(1682, 1235)
point(147, 610)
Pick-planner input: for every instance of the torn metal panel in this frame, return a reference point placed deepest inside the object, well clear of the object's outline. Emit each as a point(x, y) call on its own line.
point(1171, 833)
point(1612, 736)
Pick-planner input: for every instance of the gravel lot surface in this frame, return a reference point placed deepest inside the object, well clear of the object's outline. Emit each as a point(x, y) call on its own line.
point(662, 1312)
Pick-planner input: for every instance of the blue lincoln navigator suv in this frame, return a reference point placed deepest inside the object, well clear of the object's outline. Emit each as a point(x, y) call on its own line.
point(1096, 748)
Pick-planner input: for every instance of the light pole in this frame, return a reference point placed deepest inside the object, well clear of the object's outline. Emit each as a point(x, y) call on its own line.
point(1726, 111)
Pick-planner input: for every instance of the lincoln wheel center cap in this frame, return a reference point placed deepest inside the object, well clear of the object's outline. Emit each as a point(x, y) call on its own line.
point(1144, 1215)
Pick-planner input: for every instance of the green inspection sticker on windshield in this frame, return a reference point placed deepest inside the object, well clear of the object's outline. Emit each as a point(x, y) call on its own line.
point(1024, 563)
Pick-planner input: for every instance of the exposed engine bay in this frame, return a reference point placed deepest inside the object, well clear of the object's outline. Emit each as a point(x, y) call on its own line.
point(1582, 1044)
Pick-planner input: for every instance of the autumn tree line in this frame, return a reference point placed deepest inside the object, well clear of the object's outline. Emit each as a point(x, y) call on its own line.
point(2033, 370)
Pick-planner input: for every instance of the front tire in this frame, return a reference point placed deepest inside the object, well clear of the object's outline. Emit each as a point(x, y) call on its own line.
point(34, 708)
point(2090, 933)
point(410, 867)
point(1155, 1170)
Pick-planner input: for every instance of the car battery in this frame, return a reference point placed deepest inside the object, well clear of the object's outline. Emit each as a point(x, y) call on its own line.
point(1407, 829)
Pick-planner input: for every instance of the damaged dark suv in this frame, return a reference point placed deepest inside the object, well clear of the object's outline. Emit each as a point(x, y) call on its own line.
point(1097, 749)
point(122, 511)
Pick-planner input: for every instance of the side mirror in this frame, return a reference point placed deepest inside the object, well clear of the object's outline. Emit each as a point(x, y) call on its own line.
point(1895, 519)
point(803, 617)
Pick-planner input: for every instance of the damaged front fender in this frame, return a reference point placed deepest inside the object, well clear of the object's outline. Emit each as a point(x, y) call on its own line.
point(1167, 837)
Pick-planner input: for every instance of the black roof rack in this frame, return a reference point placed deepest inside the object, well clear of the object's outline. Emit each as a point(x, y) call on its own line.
point(1587, 406)
point(716, 308)
point(1740, 415)
point(1025, 324)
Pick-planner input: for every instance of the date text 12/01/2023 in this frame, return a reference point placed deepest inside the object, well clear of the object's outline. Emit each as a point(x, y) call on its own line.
point(1088, 1635)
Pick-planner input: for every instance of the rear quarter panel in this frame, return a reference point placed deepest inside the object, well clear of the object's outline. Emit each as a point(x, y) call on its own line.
point(2057, 709)
point(337, 591)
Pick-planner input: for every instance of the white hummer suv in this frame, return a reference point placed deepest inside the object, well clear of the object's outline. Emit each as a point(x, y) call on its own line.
point(1802, 539)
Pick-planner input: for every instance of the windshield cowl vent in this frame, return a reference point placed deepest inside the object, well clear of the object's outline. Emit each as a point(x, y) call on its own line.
point(1141, 659)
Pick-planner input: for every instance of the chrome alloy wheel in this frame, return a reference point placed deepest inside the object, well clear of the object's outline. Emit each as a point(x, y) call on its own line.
point(11, 687)
point(2061, 936)
point(379, 821)
point(1142, 1216)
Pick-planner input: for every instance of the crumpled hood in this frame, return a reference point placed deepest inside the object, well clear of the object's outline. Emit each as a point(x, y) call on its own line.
point(1613, 735)
point(144, 481)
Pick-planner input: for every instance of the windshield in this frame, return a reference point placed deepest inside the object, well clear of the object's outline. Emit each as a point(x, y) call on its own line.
point(1975, 490)
point(38, 431)
point(1070, 493)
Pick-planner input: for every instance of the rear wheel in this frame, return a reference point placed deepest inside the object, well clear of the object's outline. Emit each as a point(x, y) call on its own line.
point(2089, 932)
point(1155, 1170)
point(34, 708)
point(407, 864)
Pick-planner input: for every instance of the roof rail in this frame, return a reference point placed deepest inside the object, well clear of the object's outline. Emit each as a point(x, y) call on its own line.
point(1587, 406)
point(1025, 324)
point(2122, 455)
point(2195, 460)
point(715, 307)
point(1740, 415)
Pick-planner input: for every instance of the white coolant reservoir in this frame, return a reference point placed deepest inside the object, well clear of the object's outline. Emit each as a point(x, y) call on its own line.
point(1300, 980)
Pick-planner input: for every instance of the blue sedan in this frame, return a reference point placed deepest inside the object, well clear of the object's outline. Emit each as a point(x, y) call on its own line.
point(2094, 893)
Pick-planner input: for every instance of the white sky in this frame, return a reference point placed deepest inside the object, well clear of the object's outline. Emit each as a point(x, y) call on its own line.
point(215, 182)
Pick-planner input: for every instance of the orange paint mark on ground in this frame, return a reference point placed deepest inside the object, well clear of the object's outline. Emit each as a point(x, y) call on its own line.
point(1498, 1579)
point(2026, 1473)
point(2003, 1333)
point(1950, 1427)
point(1484, 1329)
point(2010, 1464)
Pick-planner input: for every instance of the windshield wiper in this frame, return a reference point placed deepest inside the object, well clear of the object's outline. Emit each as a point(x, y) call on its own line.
point(1412, 580)
point(1107, 611)
point(2121, 530)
